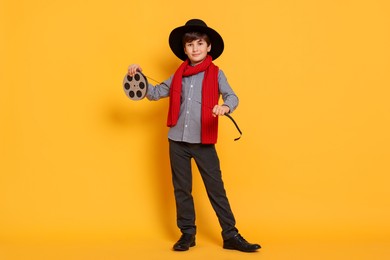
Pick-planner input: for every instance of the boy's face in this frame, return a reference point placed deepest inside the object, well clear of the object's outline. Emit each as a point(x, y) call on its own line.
point(196, 50)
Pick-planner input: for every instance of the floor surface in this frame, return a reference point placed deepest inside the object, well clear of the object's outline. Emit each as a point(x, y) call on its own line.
point(161, 249)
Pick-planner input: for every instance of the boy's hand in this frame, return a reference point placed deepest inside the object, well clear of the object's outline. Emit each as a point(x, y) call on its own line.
point(220, 110)
point(133, 68)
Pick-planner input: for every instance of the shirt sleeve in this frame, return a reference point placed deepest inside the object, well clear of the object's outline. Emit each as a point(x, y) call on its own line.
point(229, 98)
point(160, 90)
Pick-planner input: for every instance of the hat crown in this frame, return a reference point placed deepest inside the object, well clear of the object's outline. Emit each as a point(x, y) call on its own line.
point(196, 22)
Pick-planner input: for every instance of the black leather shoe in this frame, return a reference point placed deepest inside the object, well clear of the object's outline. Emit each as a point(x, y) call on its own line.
point(239, 243)
point(185, 242)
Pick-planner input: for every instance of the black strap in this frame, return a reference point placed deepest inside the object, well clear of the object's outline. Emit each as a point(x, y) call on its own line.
point(231, 118)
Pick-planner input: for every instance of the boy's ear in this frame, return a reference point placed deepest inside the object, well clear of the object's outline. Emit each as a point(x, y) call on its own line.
point(209, 48)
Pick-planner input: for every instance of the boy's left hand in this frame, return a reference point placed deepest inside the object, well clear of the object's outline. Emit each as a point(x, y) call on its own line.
point(220, 110)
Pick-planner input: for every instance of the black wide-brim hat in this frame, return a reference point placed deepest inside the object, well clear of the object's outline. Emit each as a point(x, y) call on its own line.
point(195, 25)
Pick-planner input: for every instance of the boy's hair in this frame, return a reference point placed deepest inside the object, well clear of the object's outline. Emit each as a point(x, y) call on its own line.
point(191, 36)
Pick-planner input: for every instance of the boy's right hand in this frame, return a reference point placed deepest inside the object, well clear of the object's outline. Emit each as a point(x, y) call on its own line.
point(133, 68)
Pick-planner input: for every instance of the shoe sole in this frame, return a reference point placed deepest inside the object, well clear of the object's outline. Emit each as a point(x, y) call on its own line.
point(184, 249)
point(247, 251)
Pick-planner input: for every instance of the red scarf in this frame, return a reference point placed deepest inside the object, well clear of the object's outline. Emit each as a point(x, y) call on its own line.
point(210, 96)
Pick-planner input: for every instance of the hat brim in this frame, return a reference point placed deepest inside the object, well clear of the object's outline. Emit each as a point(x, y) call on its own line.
point(176, 36)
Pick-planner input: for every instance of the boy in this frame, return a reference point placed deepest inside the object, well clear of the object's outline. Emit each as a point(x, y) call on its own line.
point(194, 92)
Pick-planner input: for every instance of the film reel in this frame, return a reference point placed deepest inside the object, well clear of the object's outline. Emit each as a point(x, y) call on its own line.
point(135, 87)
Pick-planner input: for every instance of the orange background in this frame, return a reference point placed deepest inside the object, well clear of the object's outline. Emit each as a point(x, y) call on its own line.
point(81, 162)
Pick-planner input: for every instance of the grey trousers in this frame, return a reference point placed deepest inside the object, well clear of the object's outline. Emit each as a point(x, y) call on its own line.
point(207, 161)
